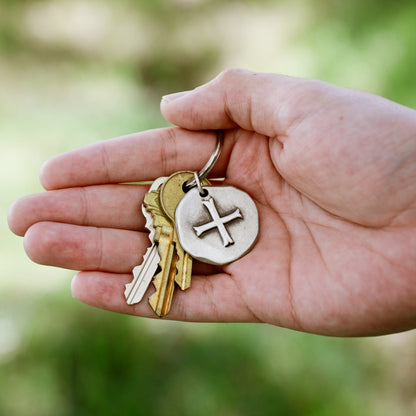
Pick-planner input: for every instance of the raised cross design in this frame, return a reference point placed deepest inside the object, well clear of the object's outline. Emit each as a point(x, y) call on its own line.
point(218, 222)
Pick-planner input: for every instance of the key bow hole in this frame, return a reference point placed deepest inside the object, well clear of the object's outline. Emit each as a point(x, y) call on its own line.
point(202, 194)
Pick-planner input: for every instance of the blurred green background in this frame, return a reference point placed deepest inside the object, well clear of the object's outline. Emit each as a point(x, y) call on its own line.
point(74, 72)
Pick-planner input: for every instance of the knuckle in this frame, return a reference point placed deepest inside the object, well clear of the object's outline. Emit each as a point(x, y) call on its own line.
point(229, 74)
point(169, 151)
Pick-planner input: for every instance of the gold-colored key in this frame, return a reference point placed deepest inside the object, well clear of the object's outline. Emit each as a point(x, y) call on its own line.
point(164, 281)
point(171, 194)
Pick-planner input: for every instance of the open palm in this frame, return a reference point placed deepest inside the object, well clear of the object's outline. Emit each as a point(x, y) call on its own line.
point(332, 172)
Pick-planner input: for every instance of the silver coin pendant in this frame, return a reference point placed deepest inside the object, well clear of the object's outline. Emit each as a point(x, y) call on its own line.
point(217, 224)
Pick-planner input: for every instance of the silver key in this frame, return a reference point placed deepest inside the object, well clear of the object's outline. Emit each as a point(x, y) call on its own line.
point(143, 273)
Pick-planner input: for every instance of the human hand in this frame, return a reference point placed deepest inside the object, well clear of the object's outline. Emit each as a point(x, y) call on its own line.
point(332, 172)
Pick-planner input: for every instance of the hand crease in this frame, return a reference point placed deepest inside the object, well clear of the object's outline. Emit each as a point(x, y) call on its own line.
point(290, 290)
point(106, 162)
point(320, 254)
point(85, 206)
point(208, 287)
point(243, 299)
point(227, 108)
point(396, 264)
point(100, 249)
point(168, 152)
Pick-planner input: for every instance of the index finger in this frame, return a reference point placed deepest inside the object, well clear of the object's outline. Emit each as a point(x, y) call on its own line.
point(133, 158)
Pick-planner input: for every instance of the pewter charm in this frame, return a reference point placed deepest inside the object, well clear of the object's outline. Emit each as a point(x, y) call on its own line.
point(218, 225)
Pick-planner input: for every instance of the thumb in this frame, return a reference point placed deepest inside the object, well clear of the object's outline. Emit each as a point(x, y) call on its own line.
point(265, 103)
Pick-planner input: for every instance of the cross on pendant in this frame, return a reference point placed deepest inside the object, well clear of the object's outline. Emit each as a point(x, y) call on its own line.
point(217, 221)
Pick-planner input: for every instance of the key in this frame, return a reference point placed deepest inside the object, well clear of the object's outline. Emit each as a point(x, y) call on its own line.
point(143, 273)
point(171, 194)
point(164, 281)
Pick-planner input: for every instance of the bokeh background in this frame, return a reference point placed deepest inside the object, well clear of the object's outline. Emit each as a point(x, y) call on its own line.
point(73, 72)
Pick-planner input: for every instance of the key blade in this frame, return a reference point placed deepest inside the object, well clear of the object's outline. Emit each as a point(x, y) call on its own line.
point(184, 271)
point(183, 265)
point(143, 275)
point(164, 281)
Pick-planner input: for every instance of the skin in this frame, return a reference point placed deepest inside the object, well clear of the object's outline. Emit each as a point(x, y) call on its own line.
point(332, 172)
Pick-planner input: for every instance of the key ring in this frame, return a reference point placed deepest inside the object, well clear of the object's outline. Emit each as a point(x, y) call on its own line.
point(191, 183)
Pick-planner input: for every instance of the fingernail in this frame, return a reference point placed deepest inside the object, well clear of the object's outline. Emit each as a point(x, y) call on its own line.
point(172, 97)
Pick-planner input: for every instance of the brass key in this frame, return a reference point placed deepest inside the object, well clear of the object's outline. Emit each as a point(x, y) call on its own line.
point(171, 194)
point(164, 281)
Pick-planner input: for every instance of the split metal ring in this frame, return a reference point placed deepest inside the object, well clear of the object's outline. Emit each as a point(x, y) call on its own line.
point(191, 183)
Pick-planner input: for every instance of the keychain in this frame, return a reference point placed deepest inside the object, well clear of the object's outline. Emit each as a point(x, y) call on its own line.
point(189, 218)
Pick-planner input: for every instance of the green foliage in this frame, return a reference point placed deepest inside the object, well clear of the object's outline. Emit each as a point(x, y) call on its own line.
point(80, 361)
point(372, 40)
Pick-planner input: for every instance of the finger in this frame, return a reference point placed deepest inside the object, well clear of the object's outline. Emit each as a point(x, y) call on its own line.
point(265, 103)
point(133, 158)
point(90, 248)
point(109, 206)
point(85, 248)
point(212, 298)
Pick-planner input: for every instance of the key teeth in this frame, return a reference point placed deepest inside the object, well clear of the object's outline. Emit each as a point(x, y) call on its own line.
point(149, 223)
point(154, 298)
point(183, 270)
point(147, 214)
point(148, 259)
